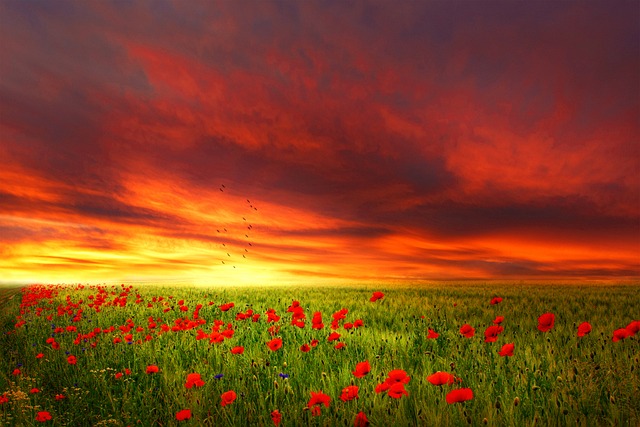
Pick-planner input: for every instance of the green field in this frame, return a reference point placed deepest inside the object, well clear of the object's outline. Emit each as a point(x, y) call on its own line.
point(553, 378)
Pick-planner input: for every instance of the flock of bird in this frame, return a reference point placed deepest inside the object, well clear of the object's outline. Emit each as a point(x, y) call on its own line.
point(223, 233)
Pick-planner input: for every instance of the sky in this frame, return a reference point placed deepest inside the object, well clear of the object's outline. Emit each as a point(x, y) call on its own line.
point(308, 141)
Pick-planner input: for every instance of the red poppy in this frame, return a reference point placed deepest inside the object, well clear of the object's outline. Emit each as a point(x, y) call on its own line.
point(275, 344)
point(441, 378)
point(340, 346)
point(152, 369)
point(498, 320)
point(459, 395)
point(349, 393)
point(237, 350)
point(583, 329)
point(71, 360)
point(34, 390)
point(227, 306)
point(432, 334)
point(620, 334)
point(492, 332)
point(362, 369)
point(633, 327)
point(118, 375)
point(361, 420)
point(506, 350)
point(16, 372)
point(60, 396)
point(305, 348)
point(545, 322)
point(467, 331)
point(43, 416)
point(398, 376)
point(333, 336)
point(397, 390)
point(317, 399)
point(227, 397)
point(382, 387)
point(39, 355)
point(194, 380)
point(496, 300)
point(276, 417)
point(185, 414)
point(4, 399)
point(376, 296)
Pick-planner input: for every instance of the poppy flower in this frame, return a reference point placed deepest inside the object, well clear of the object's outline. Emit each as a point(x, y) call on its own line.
point(317, 399)
point(185, 414)
point(397, 390)
point(194, 380)
point(276, 417)
point(305, 348)
point(583, 329)
point(467, 331)
point(545, 322)
point(39, 355)
point(361, 420)
point(4, 399)
point(71, 360)
point(16, 372)
point(620, 334)
point(496, 300)
point(362, 369)
point(633, 327)
point(459, 395)
point(237, 350)
point(152, 369)
point(333, 336)
point(376, 296)
point(349, 393)
point(498, 320)
point(118, 375)
point(398, 376)
point(340, 346)
point(441, 378)
point(43, 416)
point(492, 332)
point(34, 390)
point(275, 344)
point(227, 397)
point(432, 334)
point(60, 396)
point(382, 387)
point(506, 350)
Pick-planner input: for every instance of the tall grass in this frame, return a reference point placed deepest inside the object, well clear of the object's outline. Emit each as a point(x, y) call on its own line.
point(553, 378)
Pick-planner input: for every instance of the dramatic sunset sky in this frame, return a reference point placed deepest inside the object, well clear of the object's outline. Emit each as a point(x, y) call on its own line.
point(376, 140)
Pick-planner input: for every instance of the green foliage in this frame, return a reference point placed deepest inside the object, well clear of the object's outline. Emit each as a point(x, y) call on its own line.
point(553, 378)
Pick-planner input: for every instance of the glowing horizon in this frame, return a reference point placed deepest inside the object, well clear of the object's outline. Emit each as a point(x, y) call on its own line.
point(430, 141)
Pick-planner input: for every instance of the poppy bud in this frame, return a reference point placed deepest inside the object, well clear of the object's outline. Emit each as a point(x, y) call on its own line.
point(612, 399)
point(559, 379)
point(284, 364)
point(275, 384)
point(535, 387)
point(516, 401)
point(485, 421)
point(497, 404)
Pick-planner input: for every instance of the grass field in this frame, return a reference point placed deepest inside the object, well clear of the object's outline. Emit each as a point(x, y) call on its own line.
point(115, 333)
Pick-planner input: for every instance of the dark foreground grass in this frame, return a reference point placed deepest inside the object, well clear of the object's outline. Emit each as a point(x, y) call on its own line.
point(553, 378)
